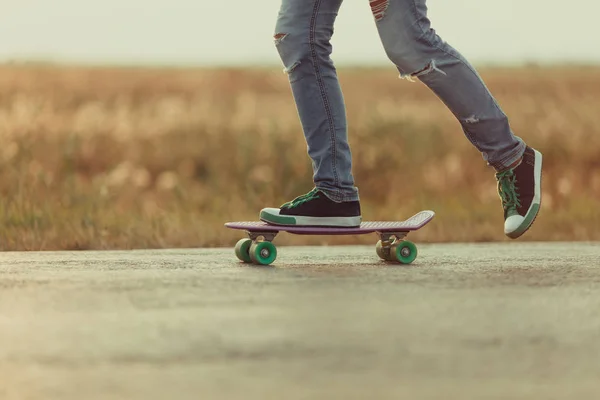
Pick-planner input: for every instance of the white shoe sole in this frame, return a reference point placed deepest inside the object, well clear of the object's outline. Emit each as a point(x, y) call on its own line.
point(272, 216)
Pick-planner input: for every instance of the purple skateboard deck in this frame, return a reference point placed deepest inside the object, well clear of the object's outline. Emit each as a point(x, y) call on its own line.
point(413, 223)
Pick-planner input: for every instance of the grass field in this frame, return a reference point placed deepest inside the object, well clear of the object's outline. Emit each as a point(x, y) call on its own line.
point(119, 158)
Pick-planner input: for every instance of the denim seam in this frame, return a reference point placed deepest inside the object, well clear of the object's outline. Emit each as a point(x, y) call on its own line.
point(424, 33)
point(313, 53)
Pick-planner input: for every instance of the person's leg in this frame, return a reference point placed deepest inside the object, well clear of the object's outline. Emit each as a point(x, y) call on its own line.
point(302, 38)
point(303, 32)
point(418, 52)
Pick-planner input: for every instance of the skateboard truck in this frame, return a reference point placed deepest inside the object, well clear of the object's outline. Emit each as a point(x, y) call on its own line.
point(268, 236)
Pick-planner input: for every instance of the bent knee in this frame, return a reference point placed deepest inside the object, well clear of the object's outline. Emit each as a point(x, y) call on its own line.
point(299, 50)
point(416, 52)
point(407, 57)
point(416, 61)
point(293, 49)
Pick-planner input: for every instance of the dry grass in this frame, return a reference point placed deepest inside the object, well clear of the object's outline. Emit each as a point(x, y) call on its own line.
point(98, 158)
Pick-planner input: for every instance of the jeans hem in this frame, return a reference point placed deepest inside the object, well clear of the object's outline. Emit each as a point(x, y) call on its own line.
point(510, 159)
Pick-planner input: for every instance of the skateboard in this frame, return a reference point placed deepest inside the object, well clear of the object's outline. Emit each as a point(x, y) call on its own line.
point(258, 248)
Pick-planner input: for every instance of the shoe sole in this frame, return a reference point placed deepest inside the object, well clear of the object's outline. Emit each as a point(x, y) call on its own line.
point(536, 203)
point(294, 220)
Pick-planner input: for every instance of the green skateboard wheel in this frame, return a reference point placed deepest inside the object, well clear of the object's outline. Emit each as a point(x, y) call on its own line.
point(263, 253)
point(405, 252)
point(242, 250)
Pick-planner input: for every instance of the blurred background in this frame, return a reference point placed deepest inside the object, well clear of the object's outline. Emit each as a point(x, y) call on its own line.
point(129, 124)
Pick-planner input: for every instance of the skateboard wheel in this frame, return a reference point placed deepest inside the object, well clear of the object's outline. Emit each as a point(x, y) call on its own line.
point(379, 250)
point(405, 252)
point(263, 253)
point(242, 250)
point(382, 253)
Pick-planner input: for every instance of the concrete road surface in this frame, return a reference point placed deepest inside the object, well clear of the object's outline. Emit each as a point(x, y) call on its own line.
point(489, 321)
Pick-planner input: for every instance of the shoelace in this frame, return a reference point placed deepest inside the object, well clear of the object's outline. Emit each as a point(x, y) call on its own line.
point(300, 199)
point(507, 190)
point(310, 196)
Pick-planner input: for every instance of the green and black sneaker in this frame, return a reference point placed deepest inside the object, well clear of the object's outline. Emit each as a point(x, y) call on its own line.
point(314, 209)
point(520, 189)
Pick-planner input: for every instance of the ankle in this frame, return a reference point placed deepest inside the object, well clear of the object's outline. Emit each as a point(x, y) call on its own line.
point(512, 166)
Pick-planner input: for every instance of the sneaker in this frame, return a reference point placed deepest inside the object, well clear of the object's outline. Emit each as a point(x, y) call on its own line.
point(314, 209)
point(520, 189)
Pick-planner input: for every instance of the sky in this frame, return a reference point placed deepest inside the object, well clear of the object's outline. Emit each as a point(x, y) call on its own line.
point(239, 32)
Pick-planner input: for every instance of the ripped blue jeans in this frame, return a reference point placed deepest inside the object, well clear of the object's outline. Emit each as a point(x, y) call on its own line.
point(302, 37)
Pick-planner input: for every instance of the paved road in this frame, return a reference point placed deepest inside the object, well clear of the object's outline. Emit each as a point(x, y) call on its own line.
point(465, 321)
